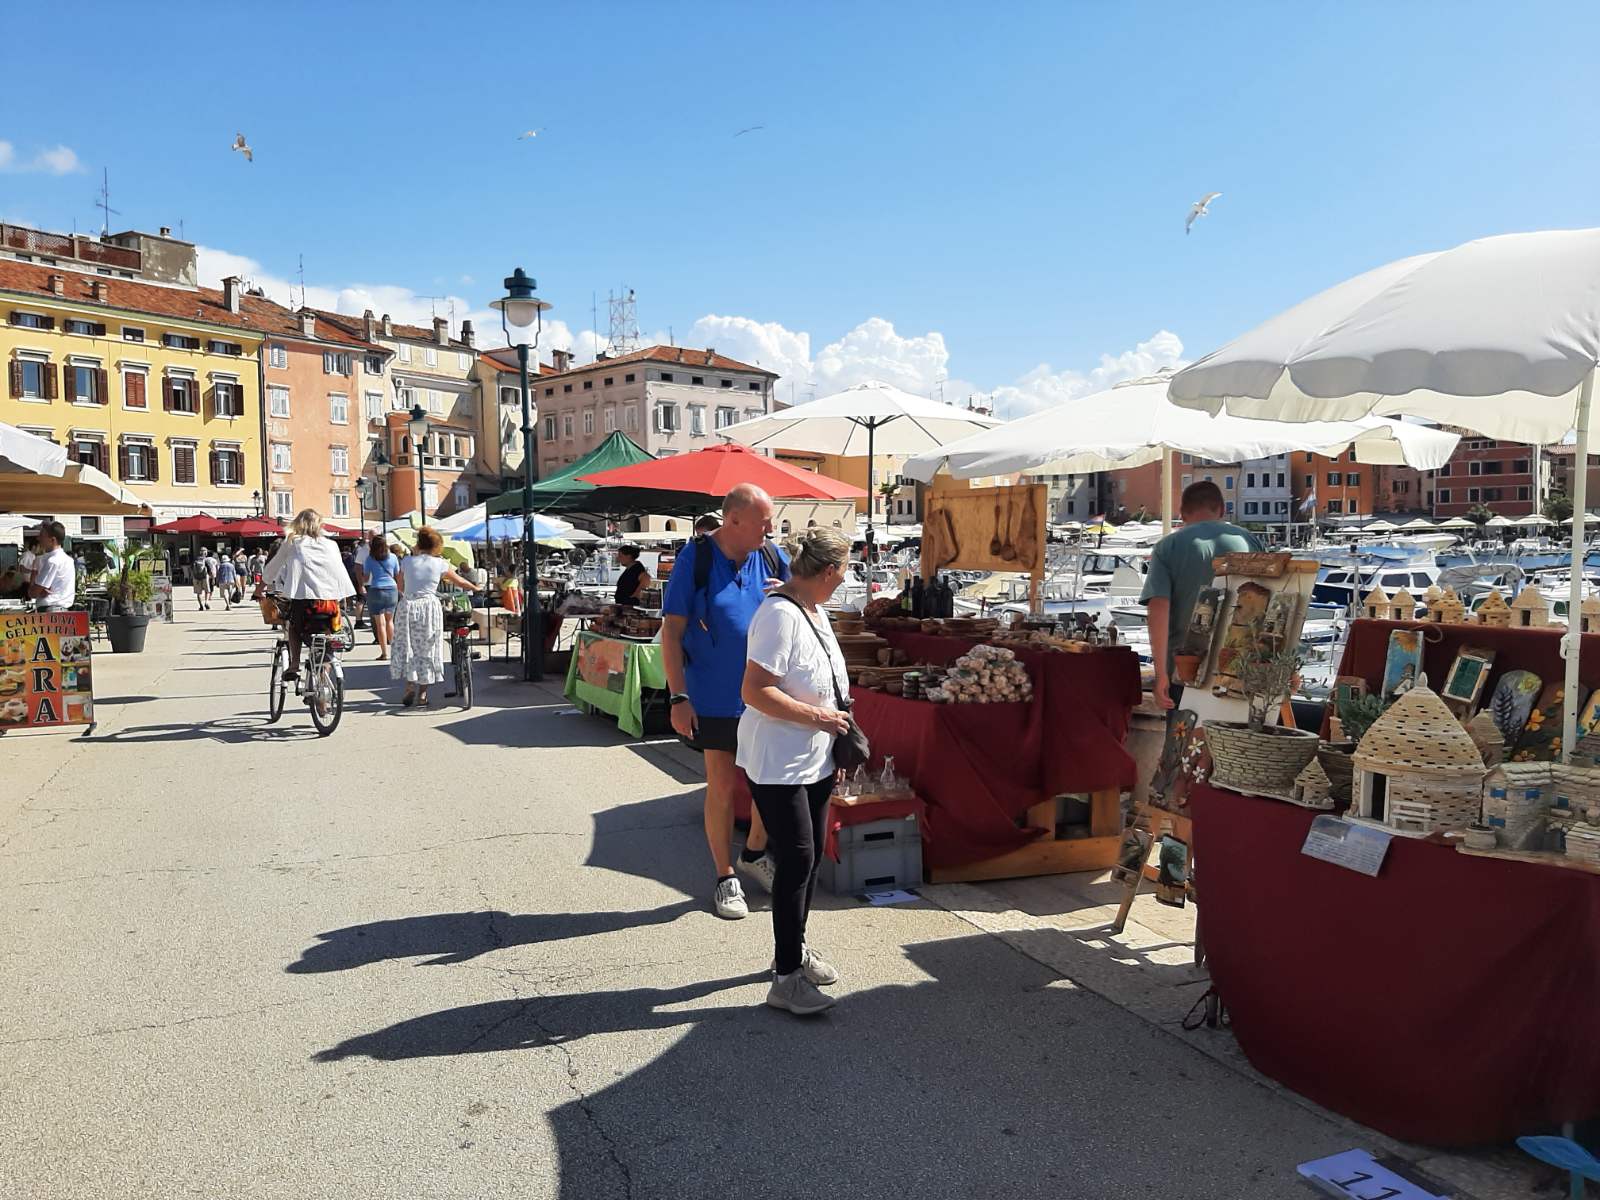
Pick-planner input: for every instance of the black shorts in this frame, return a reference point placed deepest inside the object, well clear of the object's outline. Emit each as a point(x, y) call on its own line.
point(714, 733)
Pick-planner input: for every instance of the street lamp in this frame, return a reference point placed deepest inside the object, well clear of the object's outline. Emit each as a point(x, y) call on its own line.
point(522, 320)
point(382, 467)
point(364, 489)
point(255, 498)
point(418, 425)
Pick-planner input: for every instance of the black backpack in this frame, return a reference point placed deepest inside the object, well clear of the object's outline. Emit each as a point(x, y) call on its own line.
point(776, 567)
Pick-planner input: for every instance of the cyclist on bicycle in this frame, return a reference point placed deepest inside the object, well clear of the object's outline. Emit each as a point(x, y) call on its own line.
point(308, 571)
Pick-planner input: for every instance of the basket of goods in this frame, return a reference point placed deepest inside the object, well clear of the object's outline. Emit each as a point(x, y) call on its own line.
point(847, 622)
point(1250, 756)
point(966, 627)
point(859, 650)
point(880, 609)
point(987, 675)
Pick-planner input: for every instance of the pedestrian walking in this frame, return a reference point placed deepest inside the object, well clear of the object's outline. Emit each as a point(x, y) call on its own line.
point(383, 591)
point(792, 681)
point(418, 653)
point(717, 583)
point(204, 578)
point(227, 580)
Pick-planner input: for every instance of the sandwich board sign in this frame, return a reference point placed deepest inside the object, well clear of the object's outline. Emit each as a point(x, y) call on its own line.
point(46, 676)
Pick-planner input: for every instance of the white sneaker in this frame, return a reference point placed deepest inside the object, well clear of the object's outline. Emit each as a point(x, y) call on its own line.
point(763, 871)
point(798, 995)
point(729, 900)
point(816, 969)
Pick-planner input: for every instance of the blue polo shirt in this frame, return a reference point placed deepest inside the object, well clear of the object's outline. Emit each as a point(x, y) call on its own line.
point(718, 620)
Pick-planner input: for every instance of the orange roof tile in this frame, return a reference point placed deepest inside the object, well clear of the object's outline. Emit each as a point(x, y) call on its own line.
point(675, 356)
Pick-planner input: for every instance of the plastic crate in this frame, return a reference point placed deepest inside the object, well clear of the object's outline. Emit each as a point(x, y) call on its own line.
point(874, 856)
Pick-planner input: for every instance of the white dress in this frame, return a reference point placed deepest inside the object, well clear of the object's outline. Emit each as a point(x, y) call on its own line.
point(417, 652)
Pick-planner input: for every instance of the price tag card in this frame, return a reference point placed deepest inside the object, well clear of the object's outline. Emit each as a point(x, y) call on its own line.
point(1356, 1175)
point(1358, 848)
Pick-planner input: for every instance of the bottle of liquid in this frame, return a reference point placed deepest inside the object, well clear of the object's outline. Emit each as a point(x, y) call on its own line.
point(888, 781)
point(918, 597)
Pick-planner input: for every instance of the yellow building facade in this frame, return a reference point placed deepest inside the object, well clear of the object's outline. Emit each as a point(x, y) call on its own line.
point(156, 385)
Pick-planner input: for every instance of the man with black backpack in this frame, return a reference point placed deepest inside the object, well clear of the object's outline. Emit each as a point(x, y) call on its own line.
point(718, 581)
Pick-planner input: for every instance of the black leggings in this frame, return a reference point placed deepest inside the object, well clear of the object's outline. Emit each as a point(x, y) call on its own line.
point(793, 815)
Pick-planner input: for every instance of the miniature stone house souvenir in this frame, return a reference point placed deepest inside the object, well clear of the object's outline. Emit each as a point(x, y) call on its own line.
point(1495, 611)
point(1402, 606)
point(1432, 596)
point(1416, 770)
point(1451, 610)
point(1583, 842)
point(1589, 615)
point(1312, 787)
point(1530, 610)
point(1574, 788)
point(1376, 605)
point(1516, 800)
point(1485, 735)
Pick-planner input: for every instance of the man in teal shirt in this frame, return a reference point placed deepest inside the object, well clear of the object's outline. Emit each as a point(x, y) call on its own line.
point(1180, 569)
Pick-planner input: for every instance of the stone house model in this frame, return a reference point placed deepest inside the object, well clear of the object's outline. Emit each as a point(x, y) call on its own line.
point(1417, 769)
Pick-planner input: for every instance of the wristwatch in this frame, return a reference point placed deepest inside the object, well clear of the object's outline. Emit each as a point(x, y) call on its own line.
point(677, 698)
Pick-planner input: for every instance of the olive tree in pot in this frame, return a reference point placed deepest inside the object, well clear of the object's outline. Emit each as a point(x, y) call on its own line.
point(1251, 756)
point(131, 588)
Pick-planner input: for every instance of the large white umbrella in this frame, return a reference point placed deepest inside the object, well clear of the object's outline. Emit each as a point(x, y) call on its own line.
point(1499, 522)
point(1536, 519)
point(1457, 523)
point(1379, 527)
point(867, 419)
point(20, 451)
point(1419, 523)
point(1134, 423)
point(1500, 335)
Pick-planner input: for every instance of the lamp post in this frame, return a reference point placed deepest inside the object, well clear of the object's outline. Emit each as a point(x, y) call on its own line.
point(418, 427)
point(382, 467)
point(522, 320)
point(363, 499)
point(255, 498)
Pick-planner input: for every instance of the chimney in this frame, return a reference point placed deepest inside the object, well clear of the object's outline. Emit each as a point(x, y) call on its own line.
point(367, 320)
point(232, 287)
point(97, 289)
point(308, 322)
point(58, 285)
point(441, 331)
point(680, 353)
point(711, 354)
point(561, 360)
point(166, 231)
point(467, 334)
point(388, 328)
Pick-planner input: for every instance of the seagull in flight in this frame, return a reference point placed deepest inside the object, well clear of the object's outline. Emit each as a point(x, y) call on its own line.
point(749, 129)
point(1201, 208)
point(243, 147)
point(531, 133)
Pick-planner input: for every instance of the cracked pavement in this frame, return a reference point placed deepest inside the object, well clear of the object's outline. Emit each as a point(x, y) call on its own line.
point(446, 954)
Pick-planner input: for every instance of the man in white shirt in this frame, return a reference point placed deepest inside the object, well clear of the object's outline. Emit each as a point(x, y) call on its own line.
point(55, 575)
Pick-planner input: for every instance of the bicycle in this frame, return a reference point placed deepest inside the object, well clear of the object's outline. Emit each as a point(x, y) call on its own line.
point(459, 627)
point(321, 679)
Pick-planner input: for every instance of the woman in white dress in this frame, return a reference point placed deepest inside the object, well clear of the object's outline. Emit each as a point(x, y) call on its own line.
point(417, 653)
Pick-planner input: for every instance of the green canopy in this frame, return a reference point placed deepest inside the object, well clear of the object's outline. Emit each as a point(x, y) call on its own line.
point(618, 450)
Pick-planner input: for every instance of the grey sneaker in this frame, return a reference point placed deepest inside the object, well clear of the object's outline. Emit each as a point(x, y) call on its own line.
point(816, 969)
point(729, 900)
point(797, 994)
point(763, 871)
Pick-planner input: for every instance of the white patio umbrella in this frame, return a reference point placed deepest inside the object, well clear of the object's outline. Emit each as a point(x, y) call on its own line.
point(1500, 335)
point(20, 451)
point(1419, 523)
point(1457, 523)
point(1379, 527)
point(1134, 423)
point(1499, 522)
point(867, 419)
point(1536, 519)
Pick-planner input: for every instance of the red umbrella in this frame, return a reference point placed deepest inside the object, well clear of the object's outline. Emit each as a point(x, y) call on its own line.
point(199, 523)
point(718, 470)
point(339, 531)
point(253, 527)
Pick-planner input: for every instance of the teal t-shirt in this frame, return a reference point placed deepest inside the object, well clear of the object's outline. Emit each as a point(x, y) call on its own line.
point(1180, 569)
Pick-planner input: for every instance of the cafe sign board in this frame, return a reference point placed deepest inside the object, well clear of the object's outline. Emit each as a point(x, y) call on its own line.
point(46, 678)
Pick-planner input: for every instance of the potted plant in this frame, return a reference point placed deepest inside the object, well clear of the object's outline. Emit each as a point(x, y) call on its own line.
point(130, 588)
point(1251, 756)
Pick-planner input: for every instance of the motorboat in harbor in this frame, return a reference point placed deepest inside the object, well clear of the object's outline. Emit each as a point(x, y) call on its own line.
point(1349, 575)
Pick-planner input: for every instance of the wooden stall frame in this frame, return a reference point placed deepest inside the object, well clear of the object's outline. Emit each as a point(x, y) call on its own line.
point(971, 523)
point(1049, 854)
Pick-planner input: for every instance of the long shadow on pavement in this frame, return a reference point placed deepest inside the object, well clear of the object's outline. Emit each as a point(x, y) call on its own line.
point(993, 1078)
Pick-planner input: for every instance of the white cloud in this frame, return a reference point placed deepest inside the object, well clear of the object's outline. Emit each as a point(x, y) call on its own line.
point(57, 160)
point(1044, 386)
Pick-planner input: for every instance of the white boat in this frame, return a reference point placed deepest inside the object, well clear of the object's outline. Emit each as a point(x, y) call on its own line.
point(1351, 575)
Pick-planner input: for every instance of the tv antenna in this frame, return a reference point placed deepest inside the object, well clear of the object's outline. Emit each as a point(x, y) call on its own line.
point(624, 335)
point(302, 281)
point(103, 203)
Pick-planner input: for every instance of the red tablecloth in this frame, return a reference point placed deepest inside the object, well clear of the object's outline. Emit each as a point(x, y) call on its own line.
point(1449, 1001)
point(976, 765)
point(1536, 650)
point(1083, 704)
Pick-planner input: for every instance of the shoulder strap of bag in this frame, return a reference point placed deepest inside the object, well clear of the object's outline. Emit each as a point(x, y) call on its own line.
point(841, 695)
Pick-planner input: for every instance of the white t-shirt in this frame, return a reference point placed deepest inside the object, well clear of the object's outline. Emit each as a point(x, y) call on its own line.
point(781, 641)
point(421, 574)
point(59, 574)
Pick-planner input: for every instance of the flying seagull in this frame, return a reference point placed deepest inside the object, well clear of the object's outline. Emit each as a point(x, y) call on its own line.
point(531, 133)
point(749, 129)
point(1201, 208)
point(243, 147)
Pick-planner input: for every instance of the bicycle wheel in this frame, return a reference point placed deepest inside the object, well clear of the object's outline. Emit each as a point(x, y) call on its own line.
point(277, 689)
point(327, 697)
point(463, 657)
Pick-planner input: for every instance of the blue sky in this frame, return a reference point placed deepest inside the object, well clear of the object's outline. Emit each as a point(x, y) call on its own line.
point(995, 193)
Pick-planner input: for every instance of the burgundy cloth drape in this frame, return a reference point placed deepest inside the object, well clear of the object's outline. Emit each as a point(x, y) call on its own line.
point(1448, 1001)
point(1083, 700)
point(1536, 650)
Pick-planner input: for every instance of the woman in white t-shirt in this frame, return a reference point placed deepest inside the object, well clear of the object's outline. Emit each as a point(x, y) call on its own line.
point(792, 678)
point(417, 653)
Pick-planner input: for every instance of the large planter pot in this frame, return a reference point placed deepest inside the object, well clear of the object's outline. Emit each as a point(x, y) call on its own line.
point(1258, 762)
point(127, 632)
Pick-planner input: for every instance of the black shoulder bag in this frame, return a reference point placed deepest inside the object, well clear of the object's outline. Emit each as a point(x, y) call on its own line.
point(850, 748)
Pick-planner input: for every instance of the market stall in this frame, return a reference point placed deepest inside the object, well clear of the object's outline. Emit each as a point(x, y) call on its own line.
point(619, 675)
